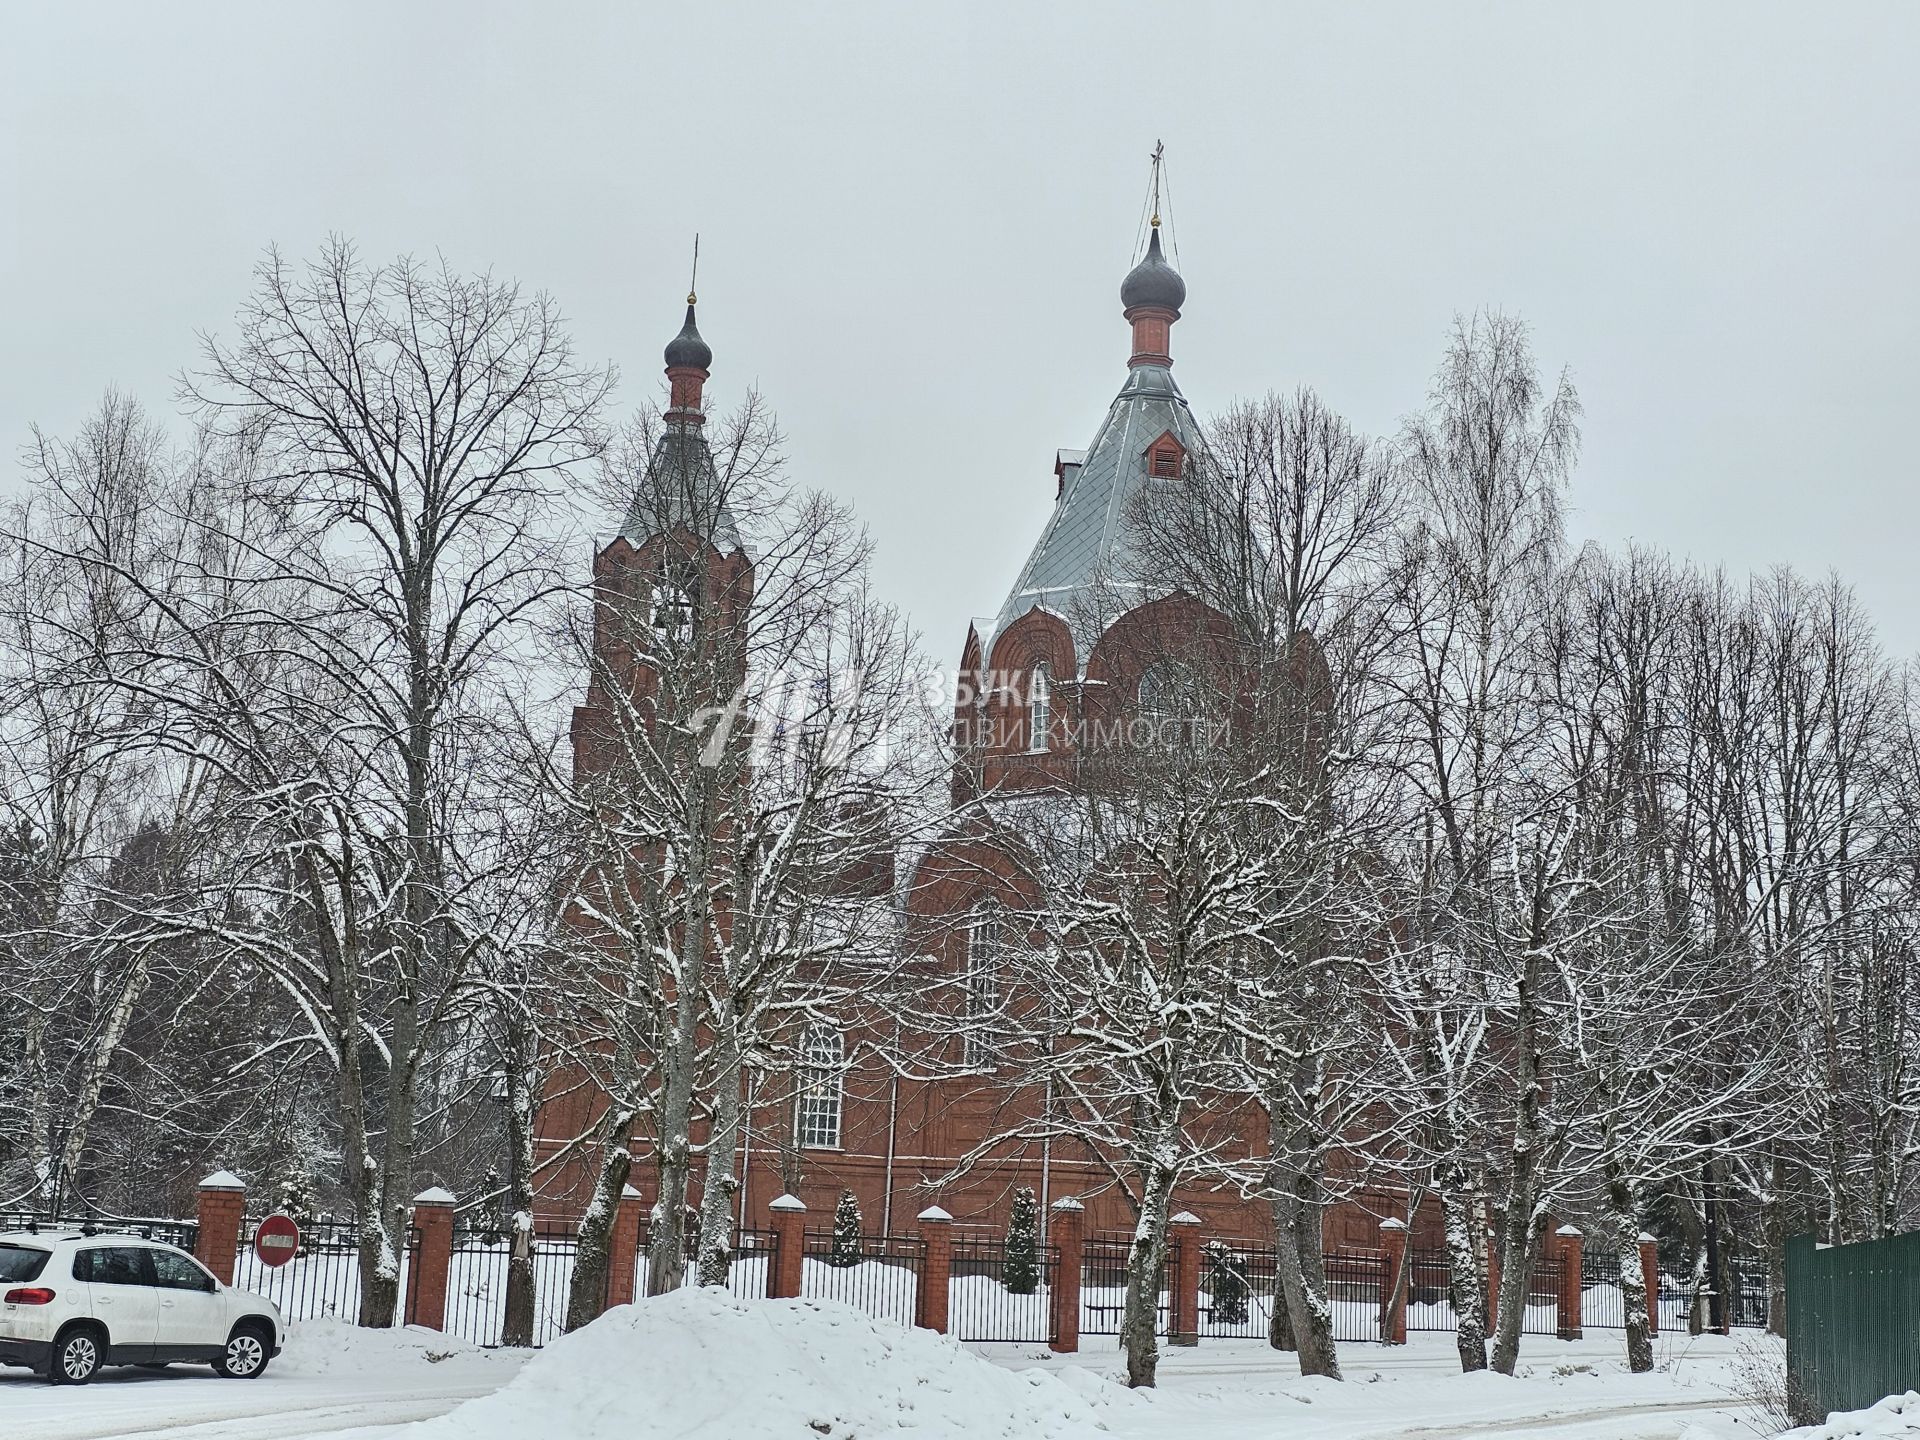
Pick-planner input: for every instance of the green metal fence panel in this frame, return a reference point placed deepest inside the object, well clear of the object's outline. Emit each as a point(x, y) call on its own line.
point(1853, 1323)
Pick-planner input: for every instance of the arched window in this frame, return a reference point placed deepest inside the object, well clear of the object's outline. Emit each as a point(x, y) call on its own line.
point(822, 1088)
point(1040, 708)
point(672, 607)
point(986, 943)
point(1173, 707)
point(1169, 691)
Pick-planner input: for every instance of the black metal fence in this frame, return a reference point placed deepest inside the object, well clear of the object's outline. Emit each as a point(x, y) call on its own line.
point(755, 1255)
point(988, 1299)
point(321, 1281)
point(1430, 1298)
point(1603, 1303)
point(1238, 1289)
point(477, 1282)
point(1357, 1283)
point(1103, 1284)
point(883, 1279)
point(1429, 1292)
point(180, 1233)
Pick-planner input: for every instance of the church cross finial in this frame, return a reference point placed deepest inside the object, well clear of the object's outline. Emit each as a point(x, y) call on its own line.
point(1159, 150)
point(693, 281)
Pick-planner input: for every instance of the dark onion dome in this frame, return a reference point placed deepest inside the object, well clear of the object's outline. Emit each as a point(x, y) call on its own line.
point(1152, 284)
point(687, 350)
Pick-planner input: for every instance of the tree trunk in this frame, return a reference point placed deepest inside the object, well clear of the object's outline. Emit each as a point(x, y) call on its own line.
point(1300, 1262)
point(1467, 1282)
point(588, 1296)
point(517, 1322)
point(1774, 1231)
point(720, 1184)
point(1518, 1238)
point(667, 1230)
point(1146, 1263)
point(1634, 1300)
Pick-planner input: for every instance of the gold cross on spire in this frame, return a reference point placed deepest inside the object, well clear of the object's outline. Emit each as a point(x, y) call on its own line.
point(1159, 150)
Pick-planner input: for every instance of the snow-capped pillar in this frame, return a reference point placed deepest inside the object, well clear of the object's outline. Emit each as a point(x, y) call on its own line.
point(1067, 1235)
point(1393, 1310)
point(1571, 1245)
point(623, 1245)
point(1183, 1301)
point(936, 1270)
point(1650, 1277)
point(789, 1247)
point(221, 1212)
point(432, 1258)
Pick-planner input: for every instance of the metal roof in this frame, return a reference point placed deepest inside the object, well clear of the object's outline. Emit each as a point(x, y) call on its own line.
point(682, 490)
point(1082, 556)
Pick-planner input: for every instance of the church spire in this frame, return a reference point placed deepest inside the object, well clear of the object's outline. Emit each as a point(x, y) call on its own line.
point(689, 358)
point(1153, 292)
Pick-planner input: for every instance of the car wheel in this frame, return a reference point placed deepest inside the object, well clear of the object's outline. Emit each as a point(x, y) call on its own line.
point(76, 1356)
point(245, 1357)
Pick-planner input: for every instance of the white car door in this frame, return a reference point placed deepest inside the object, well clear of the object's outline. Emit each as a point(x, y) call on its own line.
point(120, 1287)
point(193, 1312)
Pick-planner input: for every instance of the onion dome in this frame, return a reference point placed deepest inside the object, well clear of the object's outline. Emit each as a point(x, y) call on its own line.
point(687, 350)
point(1152, 284)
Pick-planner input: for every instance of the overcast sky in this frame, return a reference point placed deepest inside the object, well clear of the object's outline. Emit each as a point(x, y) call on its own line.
point(915, 218)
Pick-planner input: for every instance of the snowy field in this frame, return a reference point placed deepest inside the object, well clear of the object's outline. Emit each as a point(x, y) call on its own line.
point(699, 1366)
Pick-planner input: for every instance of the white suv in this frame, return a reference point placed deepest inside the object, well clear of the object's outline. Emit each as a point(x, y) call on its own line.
point(71, 1302)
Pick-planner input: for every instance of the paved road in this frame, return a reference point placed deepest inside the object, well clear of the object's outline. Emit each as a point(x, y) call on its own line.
point(180, 1405)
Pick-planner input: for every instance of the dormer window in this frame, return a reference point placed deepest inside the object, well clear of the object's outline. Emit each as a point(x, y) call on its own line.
point(1164, 456)
point(1040, 708)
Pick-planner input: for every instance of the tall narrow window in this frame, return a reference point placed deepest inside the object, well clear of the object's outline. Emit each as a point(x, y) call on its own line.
point(985, 942)
point(1040, 708)
point(822, 1088)
point(672, 607)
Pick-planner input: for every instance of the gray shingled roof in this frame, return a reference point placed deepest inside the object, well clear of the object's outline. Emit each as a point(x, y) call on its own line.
point(1082, 553)
point(682, 490)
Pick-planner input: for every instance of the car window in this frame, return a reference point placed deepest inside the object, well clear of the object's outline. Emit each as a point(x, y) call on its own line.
point(20, 1262)
point(174, 1271)
point(113, 1265)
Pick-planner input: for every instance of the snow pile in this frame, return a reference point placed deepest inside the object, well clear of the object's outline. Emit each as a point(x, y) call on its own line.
point(1895, 1415)
point(700, 1362)
point(327, 1347)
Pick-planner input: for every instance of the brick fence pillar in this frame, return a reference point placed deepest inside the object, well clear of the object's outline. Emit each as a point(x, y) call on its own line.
point(623, 1245)
point(1571, 1288)
point(1650, 1277)
point(1068, 1233)
point(1493, 1282)
point(790, 1247)
point(221, 1212)
point(1183, 1300)
point(432, 1258)
point(1393, 1317)
point(936, 1274)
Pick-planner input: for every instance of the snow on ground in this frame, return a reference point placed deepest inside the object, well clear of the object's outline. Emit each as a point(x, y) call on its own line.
point(706, 1366)
point(704, 1363)
point(330, 1377)
point(1897, 1415)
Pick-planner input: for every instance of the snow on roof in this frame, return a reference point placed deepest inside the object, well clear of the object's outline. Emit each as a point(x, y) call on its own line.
point(1084, 546)
point(438, 1195)
point(223, 1180)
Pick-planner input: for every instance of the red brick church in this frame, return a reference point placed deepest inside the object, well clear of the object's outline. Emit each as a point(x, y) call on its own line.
point(1060, 651)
